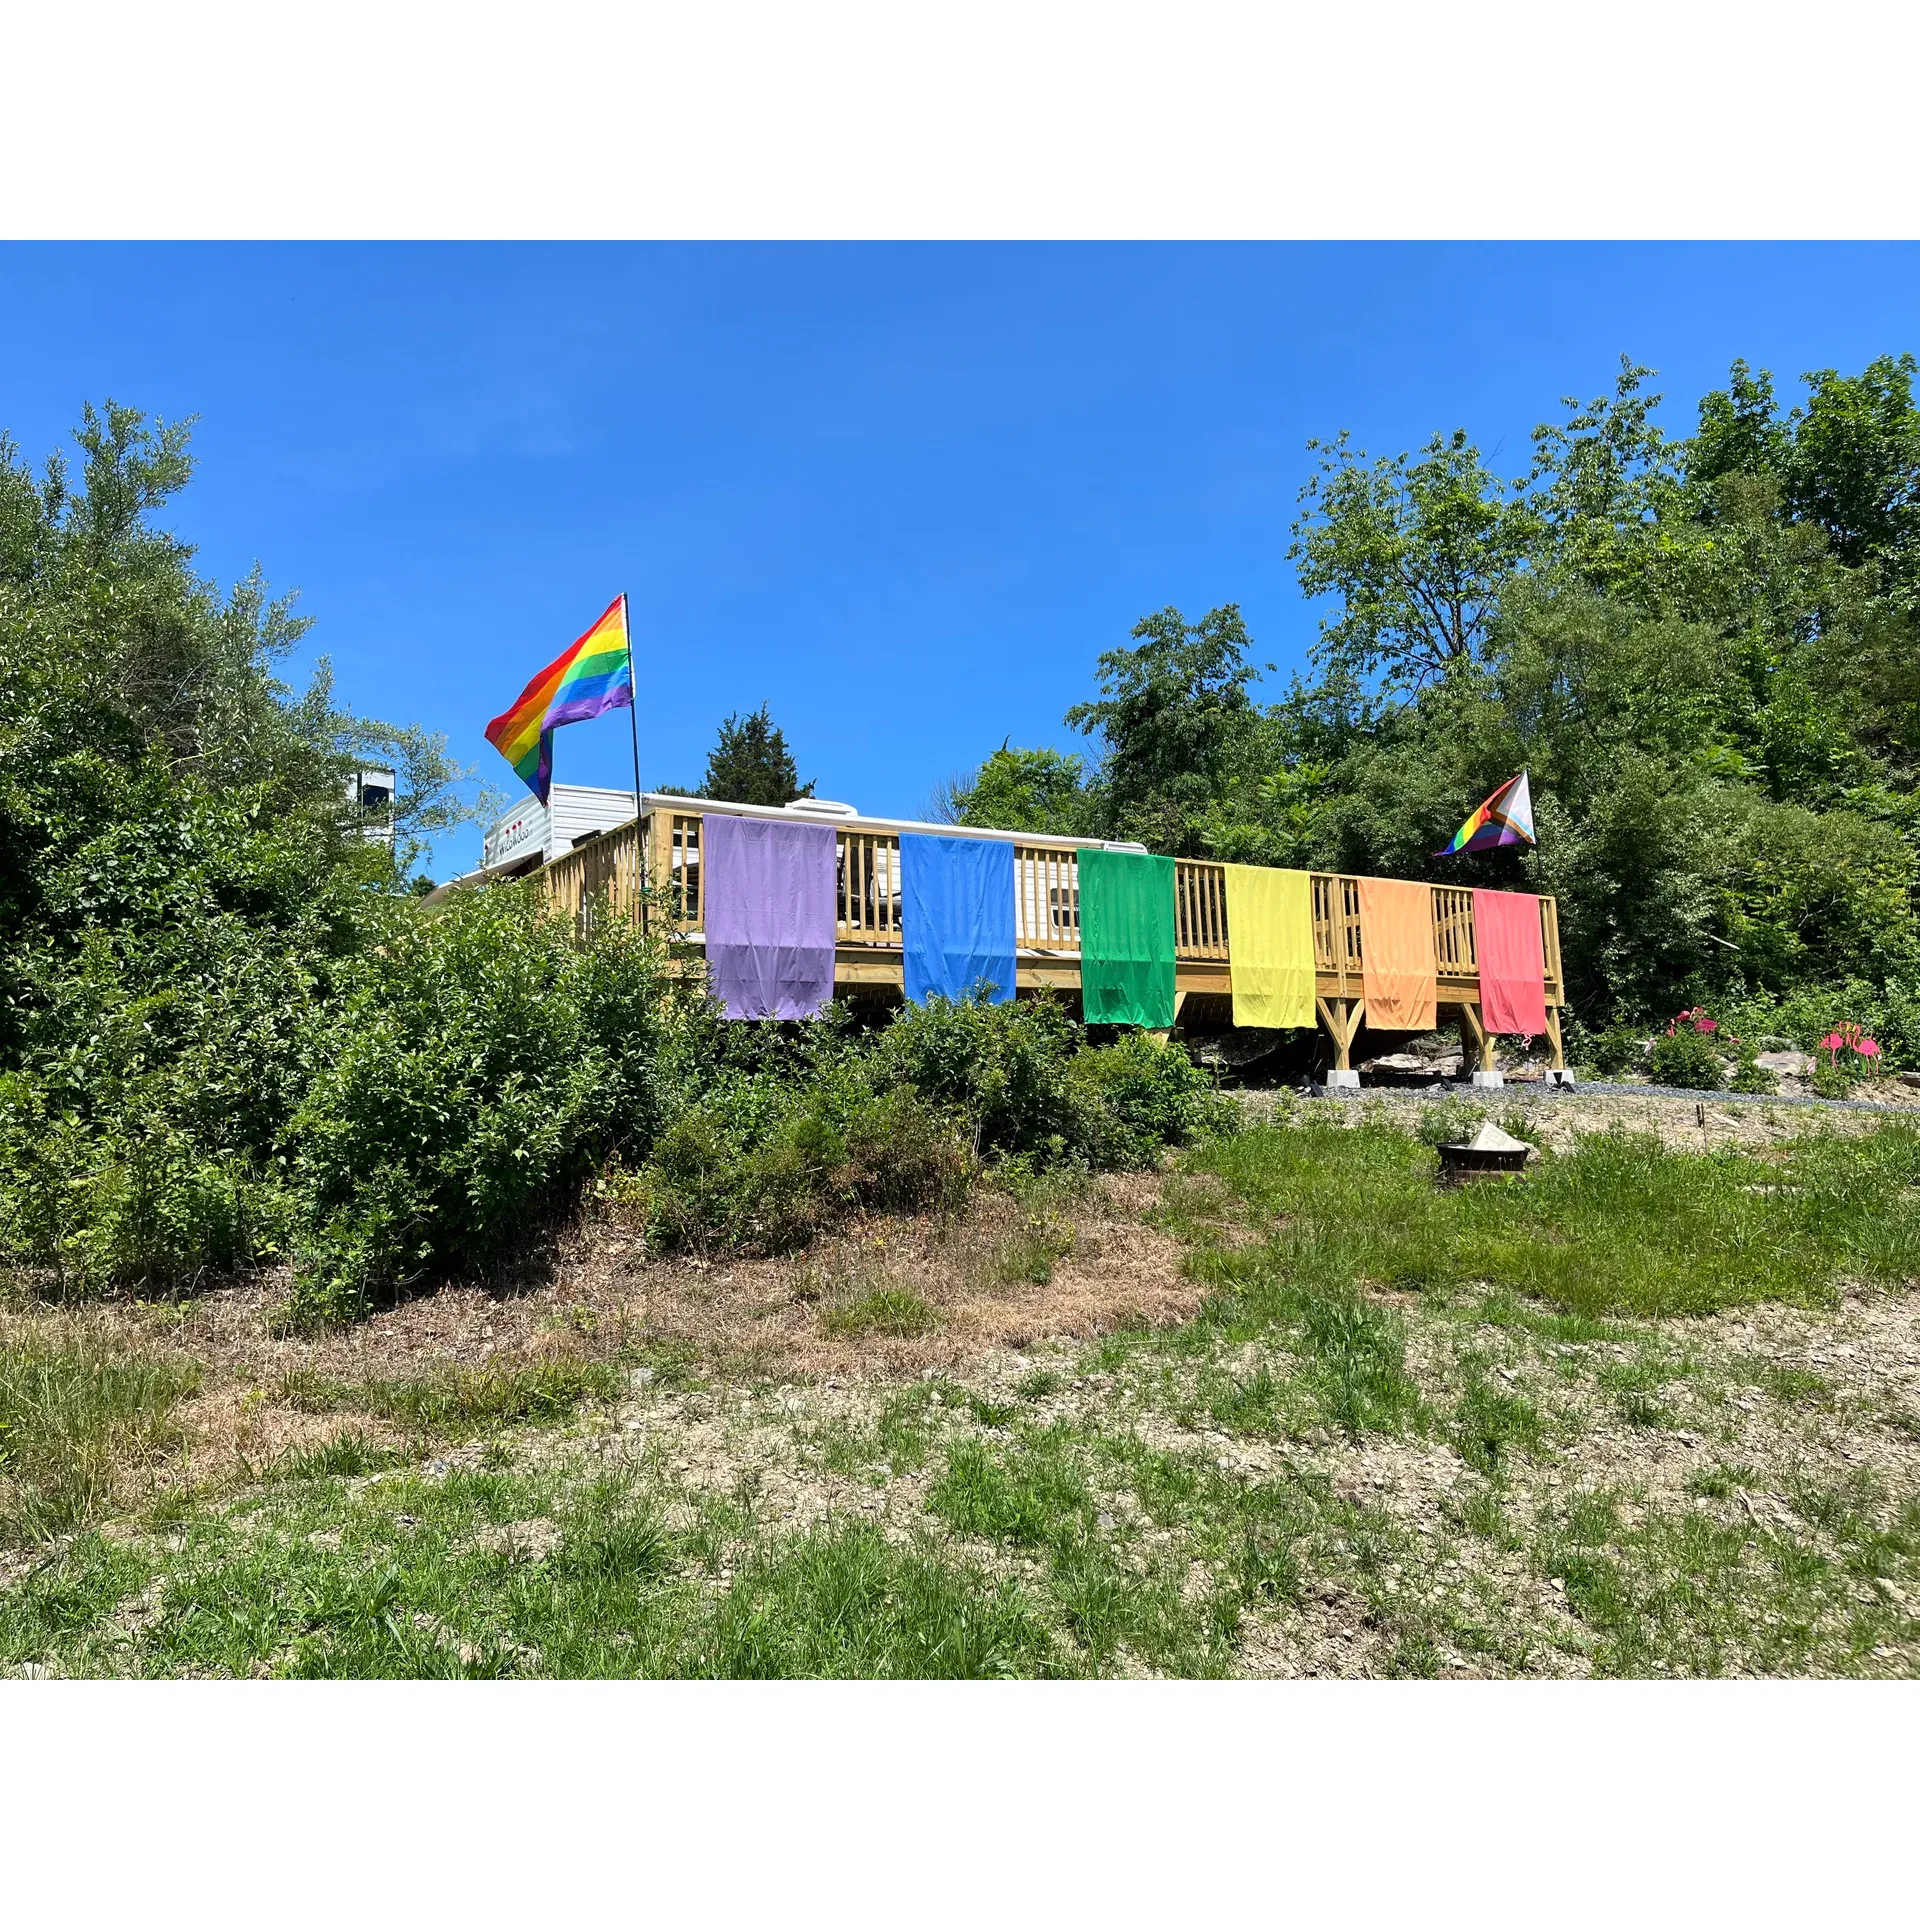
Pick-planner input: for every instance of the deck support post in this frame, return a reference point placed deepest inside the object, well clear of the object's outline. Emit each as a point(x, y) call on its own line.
point(1486, 1072)
point(1559, 1074)
point(1342, 1021)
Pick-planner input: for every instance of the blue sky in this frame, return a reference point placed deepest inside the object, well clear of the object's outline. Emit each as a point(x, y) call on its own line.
point(903, 493)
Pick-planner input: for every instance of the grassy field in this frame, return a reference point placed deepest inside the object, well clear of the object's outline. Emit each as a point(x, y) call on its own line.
point(1647, 1411)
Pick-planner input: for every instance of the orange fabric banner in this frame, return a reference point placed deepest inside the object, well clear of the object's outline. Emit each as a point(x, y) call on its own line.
point(1396, 954)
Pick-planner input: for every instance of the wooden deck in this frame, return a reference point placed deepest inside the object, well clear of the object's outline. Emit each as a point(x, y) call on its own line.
point(602, 879)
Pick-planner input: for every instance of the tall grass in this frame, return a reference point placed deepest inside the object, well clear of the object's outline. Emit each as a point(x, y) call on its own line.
point(1616, 1224)
point(455, 1402)
point(74, 1412)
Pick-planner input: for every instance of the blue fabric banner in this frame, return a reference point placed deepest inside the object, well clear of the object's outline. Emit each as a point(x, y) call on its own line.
point(956, 915)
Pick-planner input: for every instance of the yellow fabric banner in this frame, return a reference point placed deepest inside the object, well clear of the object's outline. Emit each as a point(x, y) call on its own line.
point(1270, 928)
point(1396, 954)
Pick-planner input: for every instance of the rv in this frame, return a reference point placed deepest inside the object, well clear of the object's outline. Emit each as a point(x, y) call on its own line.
point(530, 835)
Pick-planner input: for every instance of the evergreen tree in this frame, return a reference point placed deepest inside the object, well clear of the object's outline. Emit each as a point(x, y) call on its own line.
point(752, 764)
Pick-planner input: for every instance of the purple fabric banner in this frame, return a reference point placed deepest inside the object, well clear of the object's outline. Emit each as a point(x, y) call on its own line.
point(770, 888)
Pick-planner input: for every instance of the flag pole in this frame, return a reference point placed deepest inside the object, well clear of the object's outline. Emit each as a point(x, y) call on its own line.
point(633, 726)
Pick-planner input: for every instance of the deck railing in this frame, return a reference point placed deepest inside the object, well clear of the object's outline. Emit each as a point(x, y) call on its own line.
point(600, 880)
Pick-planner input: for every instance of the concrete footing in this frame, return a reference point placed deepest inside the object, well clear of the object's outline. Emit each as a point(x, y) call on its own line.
point(1344, 1077)
point(1559, 1076)
point(1489, 1079)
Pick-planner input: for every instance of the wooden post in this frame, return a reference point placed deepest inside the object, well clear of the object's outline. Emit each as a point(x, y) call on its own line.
point(1342, 1021)
point(1555, 1041)
point(1477, 1037)
point(1487, 1073)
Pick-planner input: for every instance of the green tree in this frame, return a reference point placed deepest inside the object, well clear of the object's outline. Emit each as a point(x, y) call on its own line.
point(1021, 789)
point(184, 889)
point(1847, 462)
point(751, 763)
point(1604, 481)
point(1855, 467)
point(1176, 722)
point(1417, 551)
point(1701, 648)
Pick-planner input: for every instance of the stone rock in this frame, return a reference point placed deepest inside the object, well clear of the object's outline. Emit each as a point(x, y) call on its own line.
point(1800, 1064)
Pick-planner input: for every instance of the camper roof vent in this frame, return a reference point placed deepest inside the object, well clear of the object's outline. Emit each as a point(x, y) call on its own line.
point(828, 809)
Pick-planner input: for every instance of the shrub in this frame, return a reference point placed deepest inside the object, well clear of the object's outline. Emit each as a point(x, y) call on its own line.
point(905, 1153)
point(131, 1200)
point(766, 1166)
point(765, 1156)
point(482, 1068)
point(1618, 1051)
point(1005, 1068)
point(1890, 1013)
point(1135, 1098)
point(1686, 1057)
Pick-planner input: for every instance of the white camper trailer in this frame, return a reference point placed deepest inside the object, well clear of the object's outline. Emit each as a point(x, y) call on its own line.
point(572, 815)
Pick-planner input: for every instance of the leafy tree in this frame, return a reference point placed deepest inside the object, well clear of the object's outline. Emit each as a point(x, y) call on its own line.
point(1022, 789)
point(1416, 549)
point(751, 763)
point(1176, 720)
point(1848, 462)
point(1740, 430)
point(1856, 466)
point(1603, 480)
point(1703, 648)
point(184, 888)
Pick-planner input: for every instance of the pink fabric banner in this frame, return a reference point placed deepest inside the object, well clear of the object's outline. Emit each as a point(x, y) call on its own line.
point(1513, 962)
point(770, 888)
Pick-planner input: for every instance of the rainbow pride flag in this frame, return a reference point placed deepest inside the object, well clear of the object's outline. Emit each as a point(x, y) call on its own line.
point(1503, 819)
point(593, 676)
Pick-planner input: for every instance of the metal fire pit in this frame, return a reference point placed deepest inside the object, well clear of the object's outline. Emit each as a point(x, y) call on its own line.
point(1490, 1151)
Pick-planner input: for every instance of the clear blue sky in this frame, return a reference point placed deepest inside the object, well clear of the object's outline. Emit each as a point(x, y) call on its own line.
point(903, 493)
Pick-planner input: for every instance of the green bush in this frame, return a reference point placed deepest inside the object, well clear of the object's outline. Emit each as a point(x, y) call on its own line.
point(796, 1131)
point(1891, 1013)
point(1139, 1096)
point(1685, 1058)
point(131, 1200)
point(1005, 1068)
point(1617, 1052)
point(1025, 1078)
point(766, 1165)
point(482, 1068)
point(229, 1034)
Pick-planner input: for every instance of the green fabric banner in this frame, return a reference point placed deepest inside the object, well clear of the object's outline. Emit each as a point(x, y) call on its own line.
point(1126, 939)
